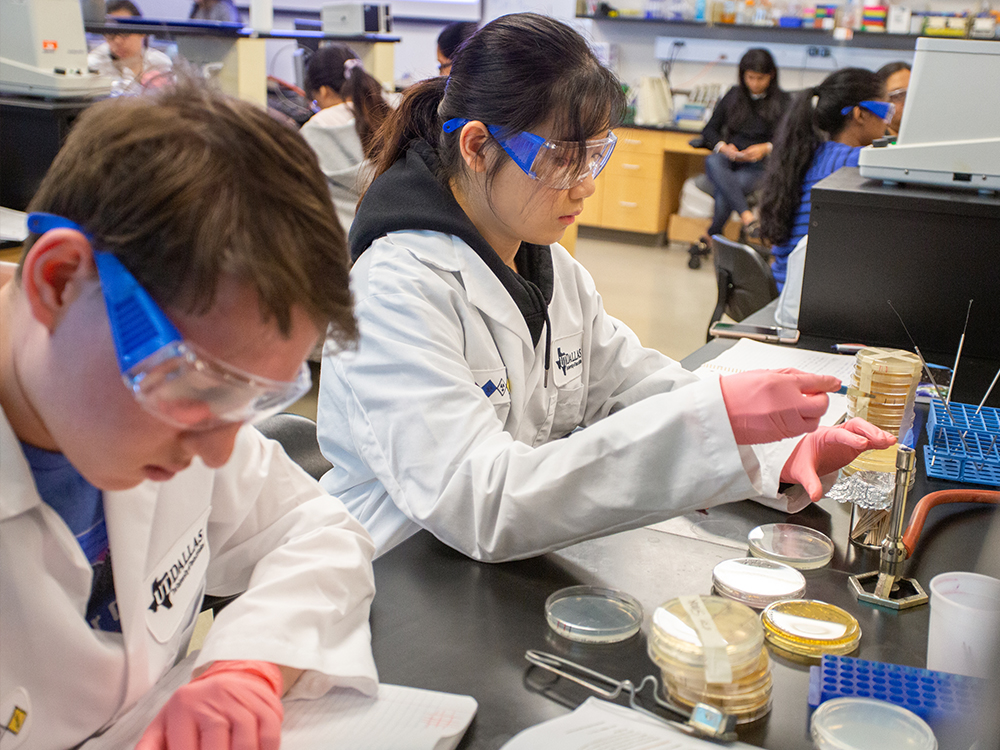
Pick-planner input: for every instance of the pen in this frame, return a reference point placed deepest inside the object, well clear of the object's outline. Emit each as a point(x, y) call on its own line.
point(848, 348)
point(878, 398)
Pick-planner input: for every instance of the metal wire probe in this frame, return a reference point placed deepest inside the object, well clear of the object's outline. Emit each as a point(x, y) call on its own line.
point(704, 721)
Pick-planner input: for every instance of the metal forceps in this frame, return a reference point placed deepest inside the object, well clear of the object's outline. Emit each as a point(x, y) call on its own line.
point(704, 721)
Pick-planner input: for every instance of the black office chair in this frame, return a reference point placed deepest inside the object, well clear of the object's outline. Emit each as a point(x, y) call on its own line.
point(297, 435)
point(745, 280)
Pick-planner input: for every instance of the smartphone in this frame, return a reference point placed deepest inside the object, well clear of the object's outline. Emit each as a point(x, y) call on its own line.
point(760, 333)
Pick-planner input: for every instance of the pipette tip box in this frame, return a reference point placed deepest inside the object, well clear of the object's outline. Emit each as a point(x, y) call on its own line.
point(963, 446)
point(939, 698)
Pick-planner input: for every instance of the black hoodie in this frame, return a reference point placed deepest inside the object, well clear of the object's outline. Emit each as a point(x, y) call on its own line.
point(408, 196)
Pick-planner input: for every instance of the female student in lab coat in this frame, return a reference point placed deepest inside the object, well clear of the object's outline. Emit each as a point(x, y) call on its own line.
point(351, 108)
point(484, 345)
point(825, 129)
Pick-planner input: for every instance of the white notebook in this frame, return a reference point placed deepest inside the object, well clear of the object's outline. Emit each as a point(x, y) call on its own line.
point(402, 718)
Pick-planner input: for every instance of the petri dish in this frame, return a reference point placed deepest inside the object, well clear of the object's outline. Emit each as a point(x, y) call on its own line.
point(591, 614)
point(757, 582)
point(810, 628)
point(862, 723)
point(791, 544)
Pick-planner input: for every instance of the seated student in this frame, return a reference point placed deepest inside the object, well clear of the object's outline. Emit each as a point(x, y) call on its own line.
point(740, 132)
point(825, 129)
point(215, 10)
point(128, 57)
point(449, 40)
point(484, 342)
point(351, 109)
point(168, 296)
point(895, 76)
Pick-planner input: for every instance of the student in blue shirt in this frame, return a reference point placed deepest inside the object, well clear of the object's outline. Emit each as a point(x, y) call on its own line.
point(167, 295)
point(825, 129)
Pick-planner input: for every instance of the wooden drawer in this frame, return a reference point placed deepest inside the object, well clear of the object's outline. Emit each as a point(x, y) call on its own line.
point(635, 164)
point(633, 204)
point(632, 140)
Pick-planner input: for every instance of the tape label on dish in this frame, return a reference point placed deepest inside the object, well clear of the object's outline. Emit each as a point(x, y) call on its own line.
point(717, 666)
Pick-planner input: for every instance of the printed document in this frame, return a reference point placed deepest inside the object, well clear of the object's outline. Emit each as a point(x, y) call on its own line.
point(600, 725)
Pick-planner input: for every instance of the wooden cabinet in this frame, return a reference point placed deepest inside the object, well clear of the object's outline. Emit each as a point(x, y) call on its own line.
point(630, 190)
point(639, 189)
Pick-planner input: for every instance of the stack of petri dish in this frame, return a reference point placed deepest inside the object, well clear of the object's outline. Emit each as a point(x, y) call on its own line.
point(695, 638)
point(757, 582)
point(886, 382)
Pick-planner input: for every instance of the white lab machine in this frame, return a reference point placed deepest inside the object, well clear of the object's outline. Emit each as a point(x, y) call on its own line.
point(950, 132)
point(43, 50)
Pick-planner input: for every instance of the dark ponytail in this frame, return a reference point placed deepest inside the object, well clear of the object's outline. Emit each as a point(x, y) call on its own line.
point(518, 72)
point(415, 119)
point(338, 67)
point(815, 116)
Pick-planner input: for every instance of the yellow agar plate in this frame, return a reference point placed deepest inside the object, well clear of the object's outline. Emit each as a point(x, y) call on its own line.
point(810, 628)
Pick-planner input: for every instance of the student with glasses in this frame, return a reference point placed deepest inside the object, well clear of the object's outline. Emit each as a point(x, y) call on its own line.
point(128, 57)
point(485, 345)
point(825, 129)
point(168, 296)
point(895, 76)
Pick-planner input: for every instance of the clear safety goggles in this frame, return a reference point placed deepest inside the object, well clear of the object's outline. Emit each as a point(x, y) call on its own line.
point(171, 378)
point(556, 164)
point(884, 110)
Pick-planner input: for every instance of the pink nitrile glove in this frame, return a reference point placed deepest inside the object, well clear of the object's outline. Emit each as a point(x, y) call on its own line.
point(830, 448)
point(765, 406)
point(232, 705)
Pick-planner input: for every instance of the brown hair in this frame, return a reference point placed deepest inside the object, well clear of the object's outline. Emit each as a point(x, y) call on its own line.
point(186, 186)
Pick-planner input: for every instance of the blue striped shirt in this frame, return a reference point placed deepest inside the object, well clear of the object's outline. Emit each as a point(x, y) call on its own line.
point(829, 157)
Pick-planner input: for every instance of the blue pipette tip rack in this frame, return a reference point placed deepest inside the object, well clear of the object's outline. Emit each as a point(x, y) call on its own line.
point(939, 698)
point(965, 446)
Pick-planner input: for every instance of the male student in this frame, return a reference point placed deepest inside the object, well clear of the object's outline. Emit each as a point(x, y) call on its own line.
point(183, 262)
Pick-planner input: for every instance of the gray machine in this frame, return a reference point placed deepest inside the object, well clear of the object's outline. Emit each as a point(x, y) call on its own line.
point(43, 50)
point(949, 135)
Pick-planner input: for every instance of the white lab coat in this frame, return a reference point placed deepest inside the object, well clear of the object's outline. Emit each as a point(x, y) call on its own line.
point(417, 442)
point(332, 134)
point(259, 523)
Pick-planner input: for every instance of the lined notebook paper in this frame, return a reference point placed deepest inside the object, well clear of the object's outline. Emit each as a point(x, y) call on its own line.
point(748, 354)
point(402, 718)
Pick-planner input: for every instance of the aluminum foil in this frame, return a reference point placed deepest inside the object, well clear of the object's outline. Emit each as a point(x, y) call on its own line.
point(866, 489)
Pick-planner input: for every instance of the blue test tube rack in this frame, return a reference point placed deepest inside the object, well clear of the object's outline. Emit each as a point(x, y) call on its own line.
point(963, 446)
point(941, 699)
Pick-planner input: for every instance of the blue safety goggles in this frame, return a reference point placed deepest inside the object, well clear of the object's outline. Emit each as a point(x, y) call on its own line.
point(883, 110)
point(557, 164)
point(169, 377)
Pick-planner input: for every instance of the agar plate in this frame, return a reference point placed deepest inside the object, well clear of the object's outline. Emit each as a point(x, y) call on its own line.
point(591, 614)
point(810, 628)
point(757, 582)
point(791, 544)
point(859, 723)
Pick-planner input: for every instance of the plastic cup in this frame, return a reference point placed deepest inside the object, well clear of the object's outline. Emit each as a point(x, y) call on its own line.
point(964, 624)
